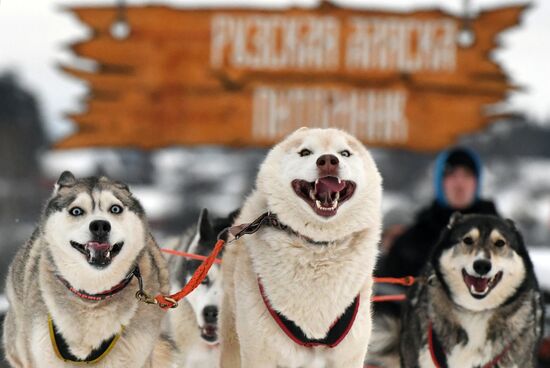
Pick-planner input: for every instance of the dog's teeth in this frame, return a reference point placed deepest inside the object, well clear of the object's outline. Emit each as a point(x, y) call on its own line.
point(339, 181)
point(318, 204)
point(337, 197)
point(312, 194)
point(335, 204)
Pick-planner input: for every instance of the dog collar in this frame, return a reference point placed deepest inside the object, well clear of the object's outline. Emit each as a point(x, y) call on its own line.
point(104, 294)
point(439, 357)
point(337, 332)
point(269, 219)
point(61, 348)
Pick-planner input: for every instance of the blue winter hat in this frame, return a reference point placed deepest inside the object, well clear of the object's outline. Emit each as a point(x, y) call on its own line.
point(447, 160)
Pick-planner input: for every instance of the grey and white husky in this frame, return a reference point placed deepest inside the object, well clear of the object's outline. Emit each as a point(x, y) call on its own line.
point(71, 287)
point(201, 349)
point(480, 306)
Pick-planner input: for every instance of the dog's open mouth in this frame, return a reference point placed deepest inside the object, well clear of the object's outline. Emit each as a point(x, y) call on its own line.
point(98, 254)
point(209, 332)
point(325, 194)
point(479, 287)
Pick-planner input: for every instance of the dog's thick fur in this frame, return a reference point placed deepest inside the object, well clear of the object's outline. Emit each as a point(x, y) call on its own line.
point(475, 327)
point(34, 291)
point(311, 284)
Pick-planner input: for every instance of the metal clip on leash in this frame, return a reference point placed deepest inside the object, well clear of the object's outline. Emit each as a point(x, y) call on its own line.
point(141, 295)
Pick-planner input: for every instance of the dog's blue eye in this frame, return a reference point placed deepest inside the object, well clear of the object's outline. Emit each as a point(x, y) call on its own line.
point(304, 152)
point(468, 240)
point(115, 209)
point(76, 211)
point(345, 153)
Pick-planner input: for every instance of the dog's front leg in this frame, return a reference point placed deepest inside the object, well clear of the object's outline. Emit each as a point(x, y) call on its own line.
point(229, 347)
point(229, 344)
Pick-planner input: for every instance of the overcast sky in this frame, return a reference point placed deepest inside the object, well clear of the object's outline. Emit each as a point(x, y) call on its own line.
point(33, 36)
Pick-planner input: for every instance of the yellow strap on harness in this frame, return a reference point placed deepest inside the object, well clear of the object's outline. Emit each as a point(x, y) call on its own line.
point(57, 351)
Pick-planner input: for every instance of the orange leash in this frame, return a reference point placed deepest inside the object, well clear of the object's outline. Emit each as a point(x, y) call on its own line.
point(188, 255)
point(405, 281)
point(389, 298)
point(171, 301)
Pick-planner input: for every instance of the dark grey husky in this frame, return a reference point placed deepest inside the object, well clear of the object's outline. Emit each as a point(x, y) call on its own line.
point(480, 305)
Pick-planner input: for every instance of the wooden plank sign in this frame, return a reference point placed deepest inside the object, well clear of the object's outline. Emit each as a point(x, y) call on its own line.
point(246, 77)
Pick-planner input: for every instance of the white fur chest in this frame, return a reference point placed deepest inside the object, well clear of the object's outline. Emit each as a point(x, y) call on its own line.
point(477, 351)
point(310, 284)
point(202, 355)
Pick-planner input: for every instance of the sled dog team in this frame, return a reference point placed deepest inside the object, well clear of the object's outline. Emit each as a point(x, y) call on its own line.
point(295, 292)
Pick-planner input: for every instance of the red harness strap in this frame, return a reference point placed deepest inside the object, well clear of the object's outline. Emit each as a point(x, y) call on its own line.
point(337, 332)
point(436, 350)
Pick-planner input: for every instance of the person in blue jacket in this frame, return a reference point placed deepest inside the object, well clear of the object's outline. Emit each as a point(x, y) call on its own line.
point(457, 181)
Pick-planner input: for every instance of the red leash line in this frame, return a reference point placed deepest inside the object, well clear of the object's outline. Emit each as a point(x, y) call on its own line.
point(406, 281)
point(188, 255)
point(389, 298)
point(171, 301)
point(168, 301)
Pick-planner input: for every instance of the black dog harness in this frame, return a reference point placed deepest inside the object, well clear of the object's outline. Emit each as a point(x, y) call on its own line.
point(439, 357)
point(61, 348)
point(338, 331)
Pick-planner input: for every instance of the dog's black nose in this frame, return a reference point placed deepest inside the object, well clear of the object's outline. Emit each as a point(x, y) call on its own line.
point(210, 314)
point(482, 266)
point(100, 229)
point(327, 162)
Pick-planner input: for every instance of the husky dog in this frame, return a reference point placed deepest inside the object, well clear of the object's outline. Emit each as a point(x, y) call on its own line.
point(481, 306)
point(71, 287)
point(297, 292)
point(201, 349)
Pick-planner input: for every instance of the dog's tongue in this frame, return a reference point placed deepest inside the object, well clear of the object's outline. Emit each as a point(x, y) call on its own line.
point(97, 249)
point(479, 283)
point(329, 184)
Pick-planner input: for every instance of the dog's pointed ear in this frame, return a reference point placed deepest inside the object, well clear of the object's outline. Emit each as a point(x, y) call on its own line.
point(455, 217)
point(66, 180)
point(205, 226)
point(121, 185)
point(511, 223)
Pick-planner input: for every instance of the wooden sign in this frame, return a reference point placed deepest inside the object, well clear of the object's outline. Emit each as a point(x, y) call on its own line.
point(245, 77)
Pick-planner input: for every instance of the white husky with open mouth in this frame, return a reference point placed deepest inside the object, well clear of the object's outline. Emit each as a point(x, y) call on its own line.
point(297, 292)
